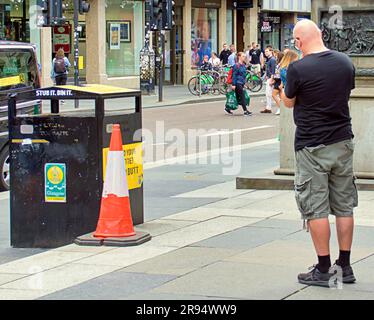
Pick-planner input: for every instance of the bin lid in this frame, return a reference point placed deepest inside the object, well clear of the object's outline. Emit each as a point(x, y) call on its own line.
point(90, 91)
point(99, 89)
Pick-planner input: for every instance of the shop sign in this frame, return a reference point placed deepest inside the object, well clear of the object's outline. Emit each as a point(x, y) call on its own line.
point(266, 26)
point(275, 20)
point(61, 38)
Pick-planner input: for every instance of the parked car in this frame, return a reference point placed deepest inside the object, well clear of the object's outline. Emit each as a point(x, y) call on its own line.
point(19, 72)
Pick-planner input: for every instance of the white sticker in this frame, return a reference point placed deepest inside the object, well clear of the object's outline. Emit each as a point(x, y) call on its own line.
point(27, 129)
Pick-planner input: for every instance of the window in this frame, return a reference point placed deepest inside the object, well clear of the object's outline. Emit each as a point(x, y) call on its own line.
point(229, 27)
point(124, 25)
point(18, 69)
point(204, 34)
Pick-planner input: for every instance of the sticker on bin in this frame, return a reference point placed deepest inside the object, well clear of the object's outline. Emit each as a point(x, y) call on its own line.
point(55, 182)
point(134, 164)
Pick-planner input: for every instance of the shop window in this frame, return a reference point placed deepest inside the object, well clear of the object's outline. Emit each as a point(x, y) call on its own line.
point(229, 27)
point(124, 40)
point(204, 34)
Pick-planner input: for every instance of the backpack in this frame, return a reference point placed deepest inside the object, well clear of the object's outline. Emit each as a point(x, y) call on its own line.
point(59, 66)
point(229, 75)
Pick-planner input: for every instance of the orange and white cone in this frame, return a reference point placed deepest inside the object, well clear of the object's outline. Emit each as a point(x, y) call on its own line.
point(115, 213)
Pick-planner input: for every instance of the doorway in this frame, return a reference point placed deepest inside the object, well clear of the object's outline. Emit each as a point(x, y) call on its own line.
point(240, 30)
point(173, 54)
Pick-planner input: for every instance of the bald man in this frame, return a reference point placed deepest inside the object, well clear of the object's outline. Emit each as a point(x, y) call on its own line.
point(319, 88)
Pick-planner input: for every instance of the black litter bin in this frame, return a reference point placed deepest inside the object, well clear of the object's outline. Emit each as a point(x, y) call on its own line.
point(57, 162)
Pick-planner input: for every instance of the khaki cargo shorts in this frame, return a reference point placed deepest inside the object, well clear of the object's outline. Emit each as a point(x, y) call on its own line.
point(256, 68)
point(325, 182)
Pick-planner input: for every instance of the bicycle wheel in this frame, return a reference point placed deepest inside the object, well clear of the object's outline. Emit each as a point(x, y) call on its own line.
point(194, 85)
point(254, 83)
point(215, 82)
point(224, 87)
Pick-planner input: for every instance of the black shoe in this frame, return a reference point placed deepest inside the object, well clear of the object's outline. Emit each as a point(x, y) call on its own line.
point(247, 113)
point(348, 275)
point(228, 111)
point(315, 278)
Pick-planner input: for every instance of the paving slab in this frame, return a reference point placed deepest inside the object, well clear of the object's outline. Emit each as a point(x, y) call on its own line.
point(244, 238)
point(43, 261)
point(8, 254)
point(112, 286)
point(9, 277)
point(158, 227)
point(56, 279)
point(181, 261)
point(20, 294)
point(295, 253)
point(236, 280)
point(314, 293)
point(162, 188)
point(206, 213)
point(155, 208)
point(362, 237)
point(233, 203)
point(151, 295)
point(201, 231)
point(276, 223)
point(123, 257)
point(222, 190)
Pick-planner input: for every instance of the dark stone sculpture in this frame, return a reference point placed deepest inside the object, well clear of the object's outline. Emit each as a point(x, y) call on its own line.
point(355, 36)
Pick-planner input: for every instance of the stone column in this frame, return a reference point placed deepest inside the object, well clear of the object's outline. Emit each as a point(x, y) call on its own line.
point(222, 25)
point(46, 56)
point(187, 74)
point(96, 43)
point(251, 25)
point(235, 28)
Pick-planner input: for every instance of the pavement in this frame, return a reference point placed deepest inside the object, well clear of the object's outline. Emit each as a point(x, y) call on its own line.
point(175, 95)
point(209, 239)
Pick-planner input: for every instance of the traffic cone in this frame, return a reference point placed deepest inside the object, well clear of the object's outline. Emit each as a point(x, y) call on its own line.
point(115, 225)
point(115, 213)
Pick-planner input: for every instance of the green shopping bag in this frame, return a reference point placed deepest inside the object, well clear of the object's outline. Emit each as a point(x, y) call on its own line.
point(231, 101)
point(247, 97)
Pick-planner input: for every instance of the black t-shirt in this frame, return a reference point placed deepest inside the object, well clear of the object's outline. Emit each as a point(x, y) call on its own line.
point(322, 84)
point(224, 56)
point(255, 55)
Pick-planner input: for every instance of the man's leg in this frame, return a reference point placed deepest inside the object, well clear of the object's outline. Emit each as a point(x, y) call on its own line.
point(312, 196)
point(343, 199)
point(269, 95)
point(344, 228)
point(320, 232)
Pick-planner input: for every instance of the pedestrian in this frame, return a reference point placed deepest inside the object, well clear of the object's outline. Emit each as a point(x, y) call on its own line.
point(289, 57)
point(238, 81)
point(206, 65)
point(224, 55)
point(214, 60)
point(277, 81)
point(270, 72)
point(318, 88)
point(60, 68)
point(255, 59)
point(232, 58)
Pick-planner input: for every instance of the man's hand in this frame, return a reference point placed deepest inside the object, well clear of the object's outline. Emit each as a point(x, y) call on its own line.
point(233, 87)
point(289, 103)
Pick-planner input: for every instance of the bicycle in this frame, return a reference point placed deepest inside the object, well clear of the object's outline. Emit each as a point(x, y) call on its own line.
point(205, 82)
point(254, 82)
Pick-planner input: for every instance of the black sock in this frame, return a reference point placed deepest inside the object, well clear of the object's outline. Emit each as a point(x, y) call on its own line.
point(324, 263)
point(344, 258)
